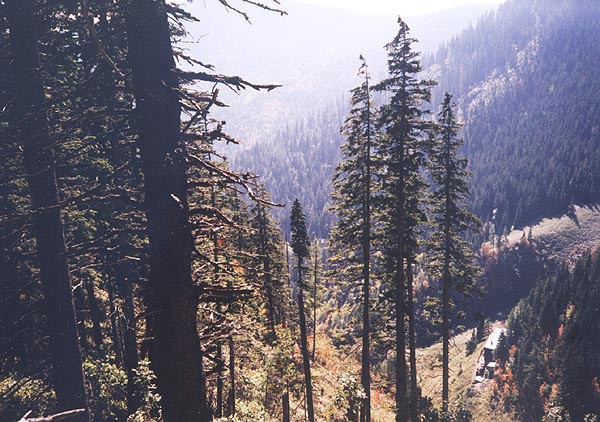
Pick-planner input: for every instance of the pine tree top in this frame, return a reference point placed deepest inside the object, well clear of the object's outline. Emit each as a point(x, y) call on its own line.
point(300, 239)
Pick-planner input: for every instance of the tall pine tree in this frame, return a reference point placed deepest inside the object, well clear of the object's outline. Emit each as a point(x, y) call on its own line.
point(175, 350)
point(30, 122)
point(300, 246)
point(452, 259)
point(353, 191)
point(401, 152)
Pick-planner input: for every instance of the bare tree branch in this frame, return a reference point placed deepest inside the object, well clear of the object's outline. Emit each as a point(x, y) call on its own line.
point(57, 417)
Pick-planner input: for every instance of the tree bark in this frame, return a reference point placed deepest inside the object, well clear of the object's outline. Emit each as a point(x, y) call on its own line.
point(31, 126)
point(129, 330)
point(365, 372)
point(315, 279)
point(114, 328)
point(304, 346)
point(174, 350)
point(446, 286)
point(285, 401)
point(231, 398)
point(96, 315)
point(412, 340)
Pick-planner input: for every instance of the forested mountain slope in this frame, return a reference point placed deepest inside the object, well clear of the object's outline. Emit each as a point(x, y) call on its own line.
point(299, 162)
point(145, 279)
point(292, 135)
point(526, 79)
point(312, 52)
point(550, 365)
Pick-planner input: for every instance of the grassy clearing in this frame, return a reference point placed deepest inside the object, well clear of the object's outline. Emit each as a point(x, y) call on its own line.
point(567, 237)
point(477, 398)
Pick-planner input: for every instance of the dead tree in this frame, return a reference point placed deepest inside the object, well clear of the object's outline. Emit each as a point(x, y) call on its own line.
point(63, 416)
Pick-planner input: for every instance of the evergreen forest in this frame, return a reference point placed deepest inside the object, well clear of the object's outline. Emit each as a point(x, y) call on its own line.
point(199, 223)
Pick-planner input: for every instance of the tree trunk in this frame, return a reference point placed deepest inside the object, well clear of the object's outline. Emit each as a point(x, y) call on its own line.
point(174, 350)
point(268, 278)
point(231, 398)
point(412, 340)
point(365, 370)
point(445, 334)
point(285, 401)
point(114, 328)
point(401, 408)
point(129, 330)
point(288, 269)
point(219, 408)
point(96, 315)
point(446, 287)
point(365, 373)
point(220, 366)
point(315, 279)
point(31, 126)
point(80, 313)
point(231, 309)
point(399, 283)
point(267, 385)
point(148, 324)
point(304, 346)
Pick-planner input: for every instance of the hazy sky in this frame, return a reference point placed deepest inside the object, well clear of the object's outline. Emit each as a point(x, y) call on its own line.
point(404, 7)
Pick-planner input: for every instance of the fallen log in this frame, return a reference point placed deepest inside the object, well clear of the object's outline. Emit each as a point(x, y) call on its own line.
point(53, 418)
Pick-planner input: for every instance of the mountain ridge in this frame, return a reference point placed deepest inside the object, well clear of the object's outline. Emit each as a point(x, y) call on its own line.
point(312, 52)
point(525, 165)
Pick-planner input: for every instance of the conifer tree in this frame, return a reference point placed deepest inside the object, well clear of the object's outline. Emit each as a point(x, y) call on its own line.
point(266, 249)
point(452, 259)
point(31, 127)
point(216, 251)
point(271, 276)
point(316, 270)
point(300, 245)
point(416, 219)
point(172, 299)
point(401, 152)
point(353, 191)
point(92, 120)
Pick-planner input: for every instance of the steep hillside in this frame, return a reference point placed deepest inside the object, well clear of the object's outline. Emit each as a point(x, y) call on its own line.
point(564, 238)
point(477, 398)
point(551, 369)
point(291, 135)
point(298, 162)
point(526, 79)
